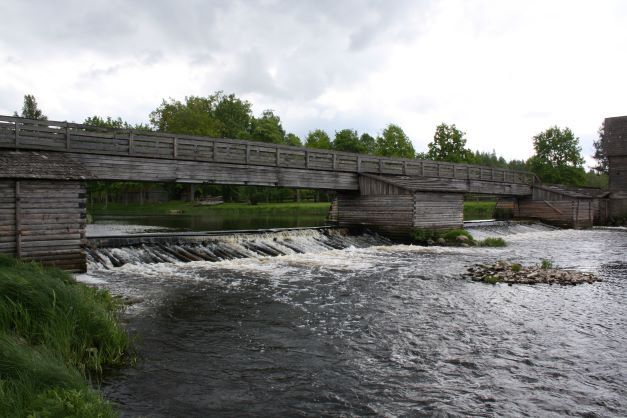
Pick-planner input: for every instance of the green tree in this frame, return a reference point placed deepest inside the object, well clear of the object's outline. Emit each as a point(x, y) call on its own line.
point(368, 143)
point(557, 157)
point(347, 140)
point(449, 144)
point(118, 123)
point(603, 165)
point(30, 110)
point(234, 115)
point(394, 143)
point(294, 140)
point(195, 116)
point(268, 128)
point(318, 139)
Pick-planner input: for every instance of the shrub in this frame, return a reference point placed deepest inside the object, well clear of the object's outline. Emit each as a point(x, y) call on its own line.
point(493, 242)
point(422, 236)
point(546, 264)
point(452, 234)
point(516, 267)
point(491, 279)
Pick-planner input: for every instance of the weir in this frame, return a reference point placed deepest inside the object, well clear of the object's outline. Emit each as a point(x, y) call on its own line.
point(44, 164)
point(116, 251)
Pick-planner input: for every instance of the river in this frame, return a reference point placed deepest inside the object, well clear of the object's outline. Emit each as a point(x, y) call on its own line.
point(368, 328)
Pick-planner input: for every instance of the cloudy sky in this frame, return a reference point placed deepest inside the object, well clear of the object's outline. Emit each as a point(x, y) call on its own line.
point(502, 71)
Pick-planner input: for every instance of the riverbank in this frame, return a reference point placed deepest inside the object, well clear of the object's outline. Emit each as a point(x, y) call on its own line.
point(472, 210)
point(56, 336)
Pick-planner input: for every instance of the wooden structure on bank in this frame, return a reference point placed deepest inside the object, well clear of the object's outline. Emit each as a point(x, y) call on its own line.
point(563, 206)
point(42, 209)
point(615, 146)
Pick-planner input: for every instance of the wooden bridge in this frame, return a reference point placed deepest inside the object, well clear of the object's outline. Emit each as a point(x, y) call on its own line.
point(43, 165)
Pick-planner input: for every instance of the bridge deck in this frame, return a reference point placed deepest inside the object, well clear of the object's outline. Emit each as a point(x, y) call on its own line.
point(26, 134)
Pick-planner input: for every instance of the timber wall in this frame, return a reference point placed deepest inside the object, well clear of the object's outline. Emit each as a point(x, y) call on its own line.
point(43, 221)
point(574, 213)
point(438, 210)
point(390, 215)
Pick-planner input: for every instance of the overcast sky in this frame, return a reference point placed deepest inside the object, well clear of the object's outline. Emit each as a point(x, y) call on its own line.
point(502, 71)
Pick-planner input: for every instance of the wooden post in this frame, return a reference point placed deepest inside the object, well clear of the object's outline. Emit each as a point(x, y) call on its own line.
point(422, 168)
point(380, 165)
point(17, 135)
point(18, 223)
point(404, 167)
point(359, 164)
point(130, 142)
point(175, 151)
point(278, 156)
point(67, 136)
point(306, 160)
point(334, 161)
point(247, 156)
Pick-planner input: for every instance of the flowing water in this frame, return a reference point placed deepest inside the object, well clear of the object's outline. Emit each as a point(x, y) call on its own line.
point(354, 326)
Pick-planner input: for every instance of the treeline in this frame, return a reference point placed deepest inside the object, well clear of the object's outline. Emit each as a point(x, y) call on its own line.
point(557, 157)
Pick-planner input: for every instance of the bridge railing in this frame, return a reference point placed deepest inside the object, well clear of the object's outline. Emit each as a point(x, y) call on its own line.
point(27, 134)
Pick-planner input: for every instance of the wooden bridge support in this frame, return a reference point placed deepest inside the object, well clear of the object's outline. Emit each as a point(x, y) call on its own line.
point(43, 221)
point(395, 209)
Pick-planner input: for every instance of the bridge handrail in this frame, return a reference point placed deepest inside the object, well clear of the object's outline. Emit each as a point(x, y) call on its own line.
point(21, 133)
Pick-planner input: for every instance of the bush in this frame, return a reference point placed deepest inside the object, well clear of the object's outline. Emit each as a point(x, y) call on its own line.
point(516, 267)
point(493, 242)
point(491, 279)
point(422, 236)
point(546, 264)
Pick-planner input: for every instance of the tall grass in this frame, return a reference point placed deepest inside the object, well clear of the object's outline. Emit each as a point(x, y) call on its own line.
point(54, 334)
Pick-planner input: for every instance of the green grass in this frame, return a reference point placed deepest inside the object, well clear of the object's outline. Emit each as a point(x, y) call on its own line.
point(492, 242)
point(188, 208)
point(478, 210)
point(516, 267)
point(54, 334)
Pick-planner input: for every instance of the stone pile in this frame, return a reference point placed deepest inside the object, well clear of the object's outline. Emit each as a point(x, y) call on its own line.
point(503, 272)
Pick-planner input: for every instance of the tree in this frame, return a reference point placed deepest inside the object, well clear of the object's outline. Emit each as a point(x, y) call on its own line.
point(234, 115)
point(268, 128)
point(111, 123)
point(557, 157)
point(294, 140)
point(30, 110)
point(449, 144)
point(368, 143)
point(347, 140)
point(599, 155)
point(318, 139)
point(193, 117)
point(394, 143)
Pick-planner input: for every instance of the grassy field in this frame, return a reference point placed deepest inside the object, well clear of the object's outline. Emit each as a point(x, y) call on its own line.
point(55, 335)
point(478, 210)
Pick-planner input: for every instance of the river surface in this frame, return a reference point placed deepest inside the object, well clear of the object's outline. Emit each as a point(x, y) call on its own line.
point(375, 329)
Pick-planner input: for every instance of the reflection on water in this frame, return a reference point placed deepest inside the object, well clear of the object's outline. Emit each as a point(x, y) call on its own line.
point(384, 330)
point(219, 220)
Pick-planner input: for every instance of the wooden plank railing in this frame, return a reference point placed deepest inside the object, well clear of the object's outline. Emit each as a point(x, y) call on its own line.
point(27, 134)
